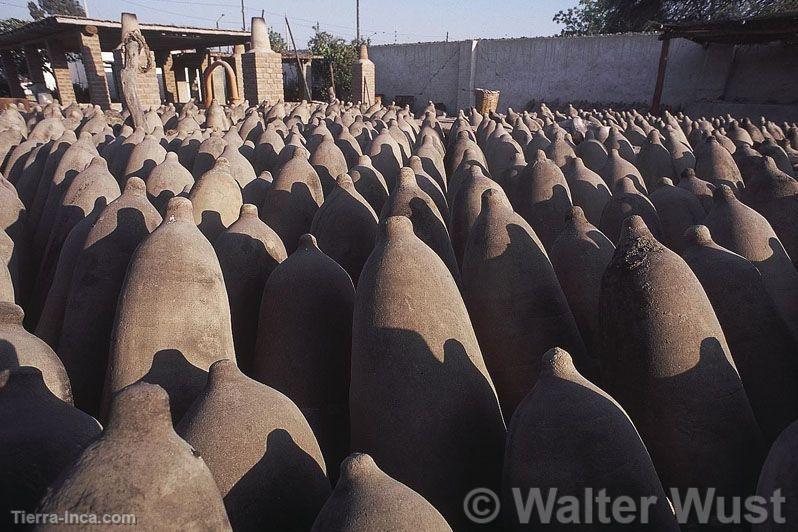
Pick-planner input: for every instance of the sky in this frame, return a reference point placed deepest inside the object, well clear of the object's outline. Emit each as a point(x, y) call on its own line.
point(383, 21)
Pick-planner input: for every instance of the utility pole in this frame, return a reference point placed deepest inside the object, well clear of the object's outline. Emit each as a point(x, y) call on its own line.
point(218, 19)
point(298, 62)
point(243, 17)
point(357, 15)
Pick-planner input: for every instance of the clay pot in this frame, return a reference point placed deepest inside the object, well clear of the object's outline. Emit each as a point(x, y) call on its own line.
point(665, 359)
point(40, 435)
point(715, 164)
point(171, 483)
point(588, 190)
point(569, 435)
point(472, 157)
point(272, 474)
point(166, 181)
point(431, 152)
point(421, 384)
point(240, 168)
point(96, 282)
point(329, 162)
point(189, 148)
point(698, 187)
point(145, 156)
point(248, 252)
point(172, 336)
point(14, 222)
point(514, 300)
point(774, 195)
point(6, 285)
point(345, 227)
point(267, 150)
point(370, 183)
point(304, 342)
point(560, 151)
point(217, 200)
point(430, 186)
point(593, 154)
point(542, 198)
point(367, 499)
point(677, 209)
point(579, 255)
point(761, 343)
point(744, 231)
point(617, 168)
point(386, 156)
point(18, 348)
point(409, 200)
point(627, 201)
point(466, 206)
point(655, 161)
point(292, 202)
point(48, 326)
point(779, 475)
point(349, 146)
point(209, 150)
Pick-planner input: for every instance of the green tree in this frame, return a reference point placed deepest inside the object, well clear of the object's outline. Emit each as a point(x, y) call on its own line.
point(616, 16)
point(340, 54)
point(277, 41)
point(9, 24)
point(45, 8)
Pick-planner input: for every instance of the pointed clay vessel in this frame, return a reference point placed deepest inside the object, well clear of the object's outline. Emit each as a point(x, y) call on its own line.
point(665, 359)
point(627, 201)
point(304, 342)
point(170, 338)
point(271, 475)
point(514, 300)
point(366, 499)
point(570, 435)
point(171, 488)
point(248, 252)
point(779, 474)
point(421, 400)
point(40, 436)
point(217, 200)
point(677, 209)
point(94, 290)
point(166, 181)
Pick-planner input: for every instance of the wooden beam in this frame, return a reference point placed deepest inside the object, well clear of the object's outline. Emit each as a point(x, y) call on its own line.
point(663, 63)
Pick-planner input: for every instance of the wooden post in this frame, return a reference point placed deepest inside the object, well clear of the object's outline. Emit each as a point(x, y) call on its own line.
point(132, 46)
point(332, 79)
point(663, 63)
point(298, 63)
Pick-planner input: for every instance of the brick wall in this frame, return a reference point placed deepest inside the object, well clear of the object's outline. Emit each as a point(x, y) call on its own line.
point(58, 63)
point(166, 62)
point(263, 76)
point(95, 70)
point(363, 80)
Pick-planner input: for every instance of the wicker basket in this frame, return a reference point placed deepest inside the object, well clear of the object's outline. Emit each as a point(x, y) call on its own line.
point(486, 100)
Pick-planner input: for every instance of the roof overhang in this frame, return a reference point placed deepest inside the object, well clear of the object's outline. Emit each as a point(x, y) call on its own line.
point(755, 30)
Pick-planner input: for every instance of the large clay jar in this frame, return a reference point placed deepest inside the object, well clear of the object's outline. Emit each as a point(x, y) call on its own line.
point(173, 318)
point(570, 436)
point(18, 348)
point(248, 252)
point(408, 200)
point(588, 189)
point(514, 300)
point(627, 201)
point(665, 359)
point(542, 198)
point(96, 282)
point(370, 183)
point(715, 164)
point(466, 206)
point(329, 162)
point(40, 435)
point(217, 200)
point(292, 202)
point(579, 256)
point(774, 195)
point(655, 161)
point(779, 477)
point(304, 342)
point(208, 151)
point(366, 499)
point(760, 341)
point(166, 181)
point(145, 156)
point(677, 209)
point(617, 168)
point(6, 285)
point(345, 227)
point(421, 400)
point(744, 231)
point(698, 187)
point(164, 482)
point(240, 167)
point(271, 474)
point(386, 156)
